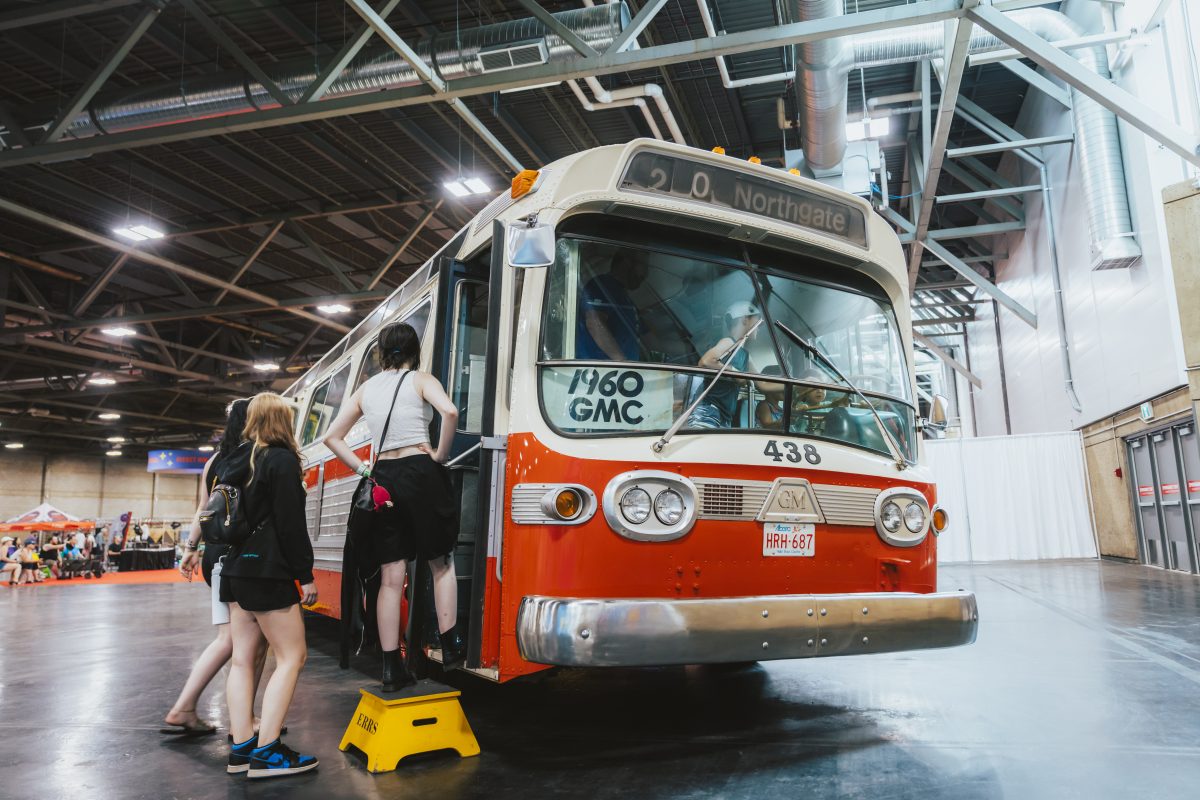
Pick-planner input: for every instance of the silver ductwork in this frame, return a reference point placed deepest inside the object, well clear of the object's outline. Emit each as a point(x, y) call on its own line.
point(452, 55)
point(823, 75)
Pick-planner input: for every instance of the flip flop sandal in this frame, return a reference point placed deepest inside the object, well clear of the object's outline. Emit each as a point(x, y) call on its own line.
point(188, 731)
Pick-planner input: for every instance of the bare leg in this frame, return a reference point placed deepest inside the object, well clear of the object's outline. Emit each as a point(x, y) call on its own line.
point(387, 609)
point(260, 661)
point(445, 592)
point(239, 688)
point(284, 629)
point(204, 670)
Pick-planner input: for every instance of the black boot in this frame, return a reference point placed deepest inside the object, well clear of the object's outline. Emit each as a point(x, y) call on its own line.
point(454, 649)
point(395, 671)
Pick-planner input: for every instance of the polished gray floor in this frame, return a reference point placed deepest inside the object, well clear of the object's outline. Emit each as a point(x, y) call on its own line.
point(1085, 682)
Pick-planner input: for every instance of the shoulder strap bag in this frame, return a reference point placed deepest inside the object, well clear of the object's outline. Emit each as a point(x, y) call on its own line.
point(370, 496)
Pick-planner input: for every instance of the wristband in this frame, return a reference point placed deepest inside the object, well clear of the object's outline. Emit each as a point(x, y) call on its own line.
point(364, 470)
point(191, 548)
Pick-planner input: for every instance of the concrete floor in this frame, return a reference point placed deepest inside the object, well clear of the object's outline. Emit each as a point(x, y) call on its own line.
point(1084, 683)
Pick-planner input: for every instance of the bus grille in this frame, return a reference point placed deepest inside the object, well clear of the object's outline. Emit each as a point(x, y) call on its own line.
point(729, 499)
point(847, 505)
point(720, 499)
point(335, 508)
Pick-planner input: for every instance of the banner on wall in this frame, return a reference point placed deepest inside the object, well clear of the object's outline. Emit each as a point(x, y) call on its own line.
point(177, 462)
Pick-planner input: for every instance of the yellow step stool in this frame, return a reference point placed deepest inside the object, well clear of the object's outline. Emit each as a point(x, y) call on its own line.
point(417, 719)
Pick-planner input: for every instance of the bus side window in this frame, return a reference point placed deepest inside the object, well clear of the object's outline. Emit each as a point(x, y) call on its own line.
point(325, 401)
point(468, 358)
point(419, 319)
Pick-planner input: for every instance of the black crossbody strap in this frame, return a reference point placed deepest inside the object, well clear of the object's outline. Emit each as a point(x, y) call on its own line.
point(388, 421)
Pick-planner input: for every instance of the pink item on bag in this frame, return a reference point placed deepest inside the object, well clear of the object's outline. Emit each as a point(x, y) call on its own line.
point(381, 496)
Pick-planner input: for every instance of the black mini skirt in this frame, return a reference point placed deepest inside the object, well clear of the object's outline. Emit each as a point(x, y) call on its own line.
point(423, 519)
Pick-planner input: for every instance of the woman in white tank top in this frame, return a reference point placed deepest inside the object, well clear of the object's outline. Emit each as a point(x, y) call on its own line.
point(423, 520)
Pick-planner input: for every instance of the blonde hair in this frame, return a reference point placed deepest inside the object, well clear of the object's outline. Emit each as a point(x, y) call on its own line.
point(269, 422)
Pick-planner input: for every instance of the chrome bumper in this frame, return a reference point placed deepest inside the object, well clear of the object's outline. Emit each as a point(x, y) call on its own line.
point(573, 632)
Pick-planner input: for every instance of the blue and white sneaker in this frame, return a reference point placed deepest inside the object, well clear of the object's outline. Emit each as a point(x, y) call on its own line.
point(276, 759)
point(239, 756)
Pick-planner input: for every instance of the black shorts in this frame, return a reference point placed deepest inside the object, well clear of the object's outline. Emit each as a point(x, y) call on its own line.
point(423, 520)
point(259, 594)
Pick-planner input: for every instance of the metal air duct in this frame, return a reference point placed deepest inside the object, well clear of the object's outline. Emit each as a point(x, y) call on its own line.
point(452, 56)
point(823, 72)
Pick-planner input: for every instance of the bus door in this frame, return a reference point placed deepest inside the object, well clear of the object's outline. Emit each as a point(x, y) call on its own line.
point(460, 362)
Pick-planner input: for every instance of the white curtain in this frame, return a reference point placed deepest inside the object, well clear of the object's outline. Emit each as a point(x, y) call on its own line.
point(1013, 497)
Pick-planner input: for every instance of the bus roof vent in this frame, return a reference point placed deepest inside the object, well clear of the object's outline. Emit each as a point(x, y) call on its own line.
point(513, 55)
point(491, 211)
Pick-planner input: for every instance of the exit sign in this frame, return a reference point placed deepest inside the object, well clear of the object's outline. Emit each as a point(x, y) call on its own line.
point(1146, 411)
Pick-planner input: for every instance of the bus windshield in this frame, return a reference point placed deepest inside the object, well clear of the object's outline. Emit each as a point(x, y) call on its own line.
point(632, 337)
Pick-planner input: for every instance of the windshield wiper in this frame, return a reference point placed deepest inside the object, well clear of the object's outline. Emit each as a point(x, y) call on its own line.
point(727, 356)
point(893, 446)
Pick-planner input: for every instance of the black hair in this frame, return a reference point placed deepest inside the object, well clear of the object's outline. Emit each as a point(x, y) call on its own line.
point(235, 424)
point(399, 346)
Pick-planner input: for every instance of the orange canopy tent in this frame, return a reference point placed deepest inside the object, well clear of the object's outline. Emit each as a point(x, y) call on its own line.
point(45, 518)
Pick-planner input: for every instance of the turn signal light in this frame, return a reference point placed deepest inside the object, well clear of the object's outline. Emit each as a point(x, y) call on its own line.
point(940, 519)
point(523, 183)
point(568, 503)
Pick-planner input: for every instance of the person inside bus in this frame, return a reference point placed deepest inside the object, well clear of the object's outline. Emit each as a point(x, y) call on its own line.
point(258, 580)
point(608, 324)
point(769, 412)
point(718, 407)
point(423, 519)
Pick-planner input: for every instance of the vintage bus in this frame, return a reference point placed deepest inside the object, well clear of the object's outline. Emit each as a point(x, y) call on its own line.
point(688, 426)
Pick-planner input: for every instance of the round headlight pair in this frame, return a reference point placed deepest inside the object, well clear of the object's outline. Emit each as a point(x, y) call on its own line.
point(668, 506)
point(912, 517)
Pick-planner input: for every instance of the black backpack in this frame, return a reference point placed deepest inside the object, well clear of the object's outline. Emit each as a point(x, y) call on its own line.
point(223, 520)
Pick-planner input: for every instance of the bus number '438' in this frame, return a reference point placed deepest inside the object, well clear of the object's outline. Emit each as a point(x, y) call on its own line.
point(792, 452)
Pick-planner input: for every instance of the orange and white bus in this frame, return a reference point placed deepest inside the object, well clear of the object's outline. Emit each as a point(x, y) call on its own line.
point(688, 427)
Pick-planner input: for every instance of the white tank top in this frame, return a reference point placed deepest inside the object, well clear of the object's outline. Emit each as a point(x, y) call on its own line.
point(410, 418)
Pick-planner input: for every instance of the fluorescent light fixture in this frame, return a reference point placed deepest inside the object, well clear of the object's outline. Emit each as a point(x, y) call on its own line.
point(333, 308)
point(477, 185)
point(147, 232)
point(266, 366)
point(138, 233)
point(115, 439)
point(868, 128)
point(101, 381)
point(118, 332)
point(527, 88)
point(457, 188)
point(13, 446)
point(205, 448)
point(113, 453)
point(109, 415)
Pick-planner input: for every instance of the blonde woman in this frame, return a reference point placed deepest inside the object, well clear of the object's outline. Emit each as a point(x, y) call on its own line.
point(259, 582)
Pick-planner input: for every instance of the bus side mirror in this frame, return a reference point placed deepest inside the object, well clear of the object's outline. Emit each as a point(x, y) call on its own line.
point(937, 412)
point(529, 245)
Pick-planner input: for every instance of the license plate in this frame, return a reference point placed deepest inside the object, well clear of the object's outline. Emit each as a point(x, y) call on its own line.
point(789, 539)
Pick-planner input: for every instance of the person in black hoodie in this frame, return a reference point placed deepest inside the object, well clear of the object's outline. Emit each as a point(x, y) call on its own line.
point(230, 464)
point(259, 581)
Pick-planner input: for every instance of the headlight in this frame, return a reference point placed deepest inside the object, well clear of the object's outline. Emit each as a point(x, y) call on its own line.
point(635, 505)
point(889, 515)
point(914, 517)
point(668, 507)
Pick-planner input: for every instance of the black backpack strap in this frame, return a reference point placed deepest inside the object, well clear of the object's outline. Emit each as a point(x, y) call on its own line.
point(388, 421)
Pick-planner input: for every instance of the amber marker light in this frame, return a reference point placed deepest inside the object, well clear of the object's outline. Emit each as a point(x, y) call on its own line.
point(940, 519)
point(719, 150)
point(794, 171)
point(568, 503)
point(754, 160)
point(523, 183)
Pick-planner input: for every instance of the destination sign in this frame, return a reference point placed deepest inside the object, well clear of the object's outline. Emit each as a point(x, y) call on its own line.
point(685, 179)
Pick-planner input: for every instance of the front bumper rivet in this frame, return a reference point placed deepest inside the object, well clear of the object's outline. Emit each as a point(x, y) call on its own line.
point(823, 612)
point(810, 612)
point(865, 640)
point(864, 611)
point(765, 645)
point(765, 614)
point(824, 642)
point(586, 633)
point(810, 642)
